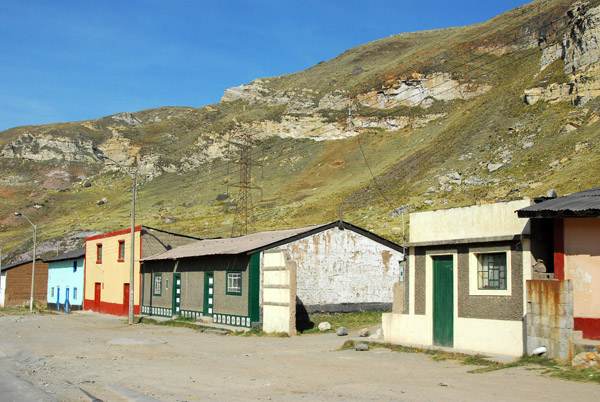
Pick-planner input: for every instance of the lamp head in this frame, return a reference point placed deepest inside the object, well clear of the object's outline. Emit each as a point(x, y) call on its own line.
point(17, 214)
point(102, 156)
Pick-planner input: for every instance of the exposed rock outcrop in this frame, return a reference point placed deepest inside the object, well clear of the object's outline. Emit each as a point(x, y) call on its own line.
point(421, 90)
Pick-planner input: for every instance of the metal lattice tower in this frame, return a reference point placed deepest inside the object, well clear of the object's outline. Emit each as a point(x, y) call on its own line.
point(242, 222)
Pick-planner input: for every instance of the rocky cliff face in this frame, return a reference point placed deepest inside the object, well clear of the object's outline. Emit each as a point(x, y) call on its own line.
point(578, 48)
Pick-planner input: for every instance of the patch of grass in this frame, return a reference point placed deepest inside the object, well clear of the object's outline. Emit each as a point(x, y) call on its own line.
point(178, 322)
point(352, 321)
point(547, 366)
point(260, 333)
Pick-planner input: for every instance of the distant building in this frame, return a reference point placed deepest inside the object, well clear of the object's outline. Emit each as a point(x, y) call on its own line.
point(15, 283)
point(65, 280)
point(107, 266)
point(339, 267)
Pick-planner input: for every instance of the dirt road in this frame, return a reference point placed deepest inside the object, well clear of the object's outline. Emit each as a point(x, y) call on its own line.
point(86, 355)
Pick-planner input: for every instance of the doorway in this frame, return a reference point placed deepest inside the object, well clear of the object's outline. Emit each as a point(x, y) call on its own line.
point(443, 301)
point(176, 302)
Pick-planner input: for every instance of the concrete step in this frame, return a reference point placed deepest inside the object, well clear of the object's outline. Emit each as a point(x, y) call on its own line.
point(585, 345)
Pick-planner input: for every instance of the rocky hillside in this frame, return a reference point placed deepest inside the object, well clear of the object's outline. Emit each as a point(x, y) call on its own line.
point(415, 121)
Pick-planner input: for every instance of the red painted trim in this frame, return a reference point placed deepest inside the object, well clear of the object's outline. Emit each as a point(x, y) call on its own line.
point(559, 248)
point(589, 326)
point(118, 309)
point(118, 233)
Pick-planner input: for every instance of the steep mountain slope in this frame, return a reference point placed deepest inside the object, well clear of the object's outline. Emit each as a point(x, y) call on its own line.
point(415, 121)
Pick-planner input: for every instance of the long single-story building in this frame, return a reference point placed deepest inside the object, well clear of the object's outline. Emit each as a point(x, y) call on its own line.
point(339, 267)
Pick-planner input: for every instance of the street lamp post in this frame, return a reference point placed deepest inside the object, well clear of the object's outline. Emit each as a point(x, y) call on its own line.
point(132, 259)
point(34, 258)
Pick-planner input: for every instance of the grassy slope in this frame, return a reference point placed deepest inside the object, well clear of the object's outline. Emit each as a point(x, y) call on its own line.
point(304, 181)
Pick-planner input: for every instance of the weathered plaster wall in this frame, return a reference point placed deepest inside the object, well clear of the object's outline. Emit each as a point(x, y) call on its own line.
point(420, 283)
point(582, 264)
point(550, 317)
point(476, 221)
point(340, 266)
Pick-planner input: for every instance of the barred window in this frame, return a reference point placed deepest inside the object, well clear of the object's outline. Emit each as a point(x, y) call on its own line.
point(491, 271)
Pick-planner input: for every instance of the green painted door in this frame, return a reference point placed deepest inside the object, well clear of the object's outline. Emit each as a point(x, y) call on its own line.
point(443, 301)
point(254, 288)
point(176, 294)
point(209, 286)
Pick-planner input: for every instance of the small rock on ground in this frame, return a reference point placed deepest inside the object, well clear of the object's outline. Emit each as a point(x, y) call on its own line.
point(324, 326)
point(364, 332)
point(342, 331)
point(362, 347)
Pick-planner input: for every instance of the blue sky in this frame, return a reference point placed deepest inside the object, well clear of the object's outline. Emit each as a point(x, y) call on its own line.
point(81, 59)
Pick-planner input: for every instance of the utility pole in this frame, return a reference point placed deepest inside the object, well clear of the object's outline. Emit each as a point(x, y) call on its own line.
point(133, 175)
point(34, 258)
point(244, 205)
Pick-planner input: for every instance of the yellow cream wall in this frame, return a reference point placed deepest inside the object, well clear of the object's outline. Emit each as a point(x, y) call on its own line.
point(111, 273)
point(487, 220)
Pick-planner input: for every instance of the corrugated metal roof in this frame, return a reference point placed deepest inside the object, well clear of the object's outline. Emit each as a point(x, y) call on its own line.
point(582, 204)
point(73, 254)
point(235, 245)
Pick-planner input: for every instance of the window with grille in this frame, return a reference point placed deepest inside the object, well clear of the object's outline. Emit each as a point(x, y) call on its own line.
point(234, 283)
point(157, 284)
point(491, 271)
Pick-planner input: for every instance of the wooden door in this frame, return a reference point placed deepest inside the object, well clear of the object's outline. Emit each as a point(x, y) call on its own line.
point(176, 302)
point(443, 301)
point(209, 285)
point(97, 292)
point(126, 299)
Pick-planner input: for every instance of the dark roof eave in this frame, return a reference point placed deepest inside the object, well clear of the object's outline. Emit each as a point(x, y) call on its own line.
point(548, 213)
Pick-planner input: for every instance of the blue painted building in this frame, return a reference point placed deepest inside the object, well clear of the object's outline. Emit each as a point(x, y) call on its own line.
point(65, 280)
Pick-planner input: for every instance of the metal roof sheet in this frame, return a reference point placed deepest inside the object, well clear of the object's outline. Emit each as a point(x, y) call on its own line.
point(73, 254)
point(235, 245)
point(582, 204)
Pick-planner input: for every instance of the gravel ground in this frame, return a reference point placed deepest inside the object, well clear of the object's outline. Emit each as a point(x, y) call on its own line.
point(87, 356)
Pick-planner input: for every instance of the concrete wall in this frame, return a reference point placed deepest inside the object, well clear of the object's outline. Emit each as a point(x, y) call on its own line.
point(337, 267)
point(488, 220)
point(18, 284)
point(279, 292)
point(550, 317)
point(60, 274)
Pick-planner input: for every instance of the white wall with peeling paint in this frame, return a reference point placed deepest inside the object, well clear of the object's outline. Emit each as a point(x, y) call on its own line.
point(341, 266)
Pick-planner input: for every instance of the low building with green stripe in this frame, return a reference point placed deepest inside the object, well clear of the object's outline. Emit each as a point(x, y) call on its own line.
point(339, 268)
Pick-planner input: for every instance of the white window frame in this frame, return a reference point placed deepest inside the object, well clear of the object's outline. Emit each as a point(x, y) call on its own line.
point(474, 268)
